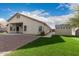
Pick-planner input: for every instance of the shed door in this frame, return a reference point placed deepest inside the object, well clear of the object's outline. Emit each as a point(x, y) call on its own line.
point(77, 32)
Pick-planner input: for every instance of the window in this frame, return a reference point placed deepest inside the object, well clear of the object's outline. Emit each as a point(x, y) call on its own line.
point(40, 28)
point(57, 27)
point(10, 28)
point(13, 29)
point(18, 16)
point(63, 27)
point(69, 27)
point(25, 28)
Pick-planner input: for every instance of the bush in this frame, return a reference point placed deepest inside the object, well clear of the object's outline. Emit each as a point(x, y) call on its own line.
point(42, 33)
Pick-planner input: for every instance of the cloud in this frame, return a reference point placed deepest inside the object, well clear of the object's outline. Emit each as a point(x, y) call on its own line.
point(50, 20)
point(71, 6)
point(11, 12)
point(8, 9)
point(39, 15)
point(62, 5)
point(37, 12)
point(61, 19)
point(2, 19)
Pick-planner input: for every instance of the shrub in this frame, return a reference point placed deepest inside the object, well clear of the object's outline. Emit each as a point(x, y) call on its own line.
point(42, 33)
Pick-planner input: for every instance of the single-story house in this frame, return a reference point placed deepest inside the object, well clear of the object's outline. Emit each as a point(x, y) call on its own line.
point(66, 29)
point(20, 23)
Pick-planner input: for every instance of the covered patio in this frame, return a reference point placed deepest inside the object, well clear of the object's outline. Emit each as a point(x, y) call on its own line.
point(16, 28)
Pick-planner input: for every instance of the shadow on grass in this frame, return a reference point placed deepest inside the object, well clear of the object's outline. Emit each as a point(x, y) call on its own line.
point(43, 41)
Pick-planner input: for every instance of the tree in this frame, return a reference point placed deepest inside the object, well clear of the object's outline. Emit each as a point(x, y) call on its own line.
point(74, 21)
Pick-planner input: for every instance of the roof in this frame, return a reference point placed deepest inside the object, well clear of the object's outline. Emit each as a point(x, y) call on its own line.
point(63, 25)
point(30, 18)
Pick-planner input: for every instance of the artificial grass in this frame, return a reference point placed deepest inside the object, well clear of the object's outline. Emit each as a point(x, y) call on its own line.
point(54, 46)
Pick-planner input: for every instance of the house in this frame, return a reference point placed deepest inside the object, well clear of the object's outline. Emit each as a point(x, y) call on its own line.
point(3, 27)
point(20, 23)
point(66, 29)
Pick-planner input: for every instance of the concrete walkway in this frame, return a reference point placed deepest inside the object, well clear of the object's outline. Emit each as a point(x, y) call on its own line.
point(50, 34)
point(12, 42)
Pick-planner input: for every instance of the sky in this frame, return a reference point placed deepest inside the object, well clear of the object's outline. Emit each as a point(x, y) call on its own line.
point(6, 9)
point(52, 13)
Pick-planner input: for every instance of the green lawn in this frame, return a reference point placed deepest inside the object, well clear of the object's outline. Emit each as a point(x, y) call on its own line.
point(54, 46)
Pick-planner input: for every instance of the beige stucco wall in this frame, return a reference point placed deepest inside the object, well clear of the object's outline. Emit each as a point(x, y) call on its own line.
point(63, 31)
point(32, 26)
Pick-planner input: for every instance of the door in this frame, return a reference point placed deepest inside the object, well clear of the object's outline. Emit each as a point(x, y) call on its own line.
point(77, 32)
point(17, 29)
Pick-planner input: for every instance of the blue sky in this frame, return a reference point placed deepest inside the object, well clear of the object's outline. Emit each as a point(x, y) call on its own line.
point(54, 9)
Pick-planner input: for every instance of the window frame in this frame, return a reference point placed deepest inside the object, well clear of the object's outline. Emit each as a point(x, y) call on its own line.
point(40, 28)
point(11, 28)
point(25, 28)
